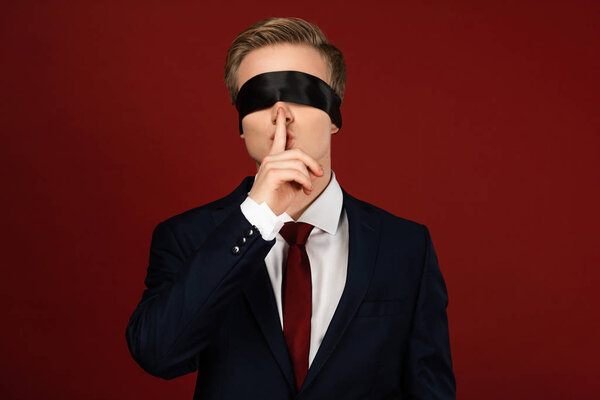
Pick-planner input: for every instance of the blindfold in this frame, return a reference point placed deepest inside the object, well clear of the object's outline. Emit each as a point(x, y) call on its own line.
point(264, 90)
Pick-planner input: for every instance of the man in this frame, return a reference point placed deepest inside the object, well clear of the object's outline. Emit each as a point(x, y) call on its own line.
point(289, 287)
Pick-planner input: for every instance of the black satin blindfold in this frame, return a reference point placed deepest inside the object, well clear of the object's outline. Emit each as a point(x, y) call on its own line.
point(266, 89)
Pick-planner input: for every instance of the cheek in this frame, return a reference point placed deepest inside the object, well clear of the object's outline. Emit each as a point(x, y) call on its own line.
point(256, 134)
point(256, 123)
point(319, 129)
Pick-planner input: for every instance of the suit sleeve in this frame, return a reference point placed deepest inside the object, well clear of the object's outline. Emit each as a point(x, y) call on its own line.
point(429, 373)
point(186, 297)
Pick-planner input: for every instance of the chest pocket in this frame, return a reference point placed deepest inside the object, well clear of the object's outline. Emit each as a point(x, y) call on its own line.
point(382, 308)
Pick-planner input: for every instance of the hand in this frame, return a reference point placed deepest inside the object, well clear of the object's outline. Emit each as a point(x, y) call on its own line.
point(283, 174)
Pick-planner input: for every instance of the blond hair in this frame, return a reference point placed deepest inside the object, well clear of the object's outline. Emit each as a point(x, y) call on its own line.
point(278, 30)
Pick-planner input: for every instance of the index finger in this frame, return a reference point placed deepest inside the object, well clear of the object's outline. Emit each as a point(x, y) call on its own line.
point(280, 134)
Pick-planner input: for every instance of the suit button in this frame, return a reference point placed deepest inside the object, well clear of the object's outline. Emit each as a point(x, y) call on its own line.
point(235, 250)
point(242, 241)
point(250, 232)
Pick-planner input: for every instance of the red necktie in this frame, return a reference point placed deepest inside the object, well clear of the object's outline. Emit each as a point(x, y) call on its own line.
point(296, 294)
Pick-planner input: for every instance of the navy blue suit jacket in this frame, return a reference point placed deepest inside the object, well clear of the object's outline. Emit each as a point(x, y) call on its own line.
point(210, 309)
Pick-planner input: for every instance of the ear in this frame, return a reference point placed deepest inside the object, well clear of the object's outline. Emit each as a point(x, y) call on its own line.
point(334, 129)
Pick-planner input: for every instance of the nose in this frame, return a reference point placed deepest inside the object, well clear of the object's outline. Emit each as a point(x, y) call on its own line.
point(289, 117)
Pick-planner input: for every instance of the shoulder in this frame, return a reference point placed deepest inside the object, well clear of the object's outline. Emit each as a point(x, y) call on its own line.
point(194, 215)
point(394, 229)
point(195, 222)
point(387, 218)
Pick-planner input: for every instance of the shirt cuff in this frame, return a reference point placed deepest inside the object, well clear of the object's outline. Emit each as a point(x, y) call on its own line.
point(264, 218)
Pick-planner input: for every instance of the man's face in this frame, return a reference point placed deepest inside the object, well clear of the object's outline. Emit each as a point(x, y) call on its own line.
point(308, 128)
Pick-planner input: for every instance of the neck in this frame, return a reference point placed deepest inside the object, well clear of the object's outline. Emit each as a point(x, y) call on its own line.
point(302, 201)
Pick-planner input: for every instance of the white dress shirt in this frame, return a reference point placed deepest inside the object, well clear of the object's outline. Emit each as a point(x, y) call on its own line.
point(327, 249)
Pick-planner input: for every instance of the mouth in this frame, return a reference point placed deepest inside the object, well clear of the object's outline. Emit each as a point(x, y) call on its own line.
point(289, 143)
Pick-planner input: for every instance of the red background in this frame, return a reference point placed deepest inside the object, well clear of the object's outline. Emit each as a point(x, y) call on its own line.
point(479, 120)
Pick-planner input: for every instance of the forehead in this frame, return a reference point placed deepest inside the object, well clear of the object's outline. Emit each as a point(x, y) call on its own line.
point(282, 57)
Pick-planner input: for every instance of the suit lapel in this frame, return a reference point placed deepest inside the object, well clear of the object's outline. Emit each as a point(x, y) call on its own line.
point(364, 230)
point(259, 293)
point(363, 240)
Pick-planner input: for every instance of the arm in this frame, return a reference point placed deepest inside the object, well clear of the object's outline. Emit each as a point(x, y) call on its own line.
point(185, 298)
point(428, 372)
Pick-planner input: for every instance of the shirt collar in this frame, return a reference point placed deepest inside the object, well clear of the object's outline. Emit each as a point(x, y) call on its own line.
point(324, 212)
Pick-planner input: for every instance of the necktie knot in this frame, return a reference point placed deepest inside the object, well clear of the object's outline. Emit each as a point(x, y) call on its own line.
point(296, 233)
